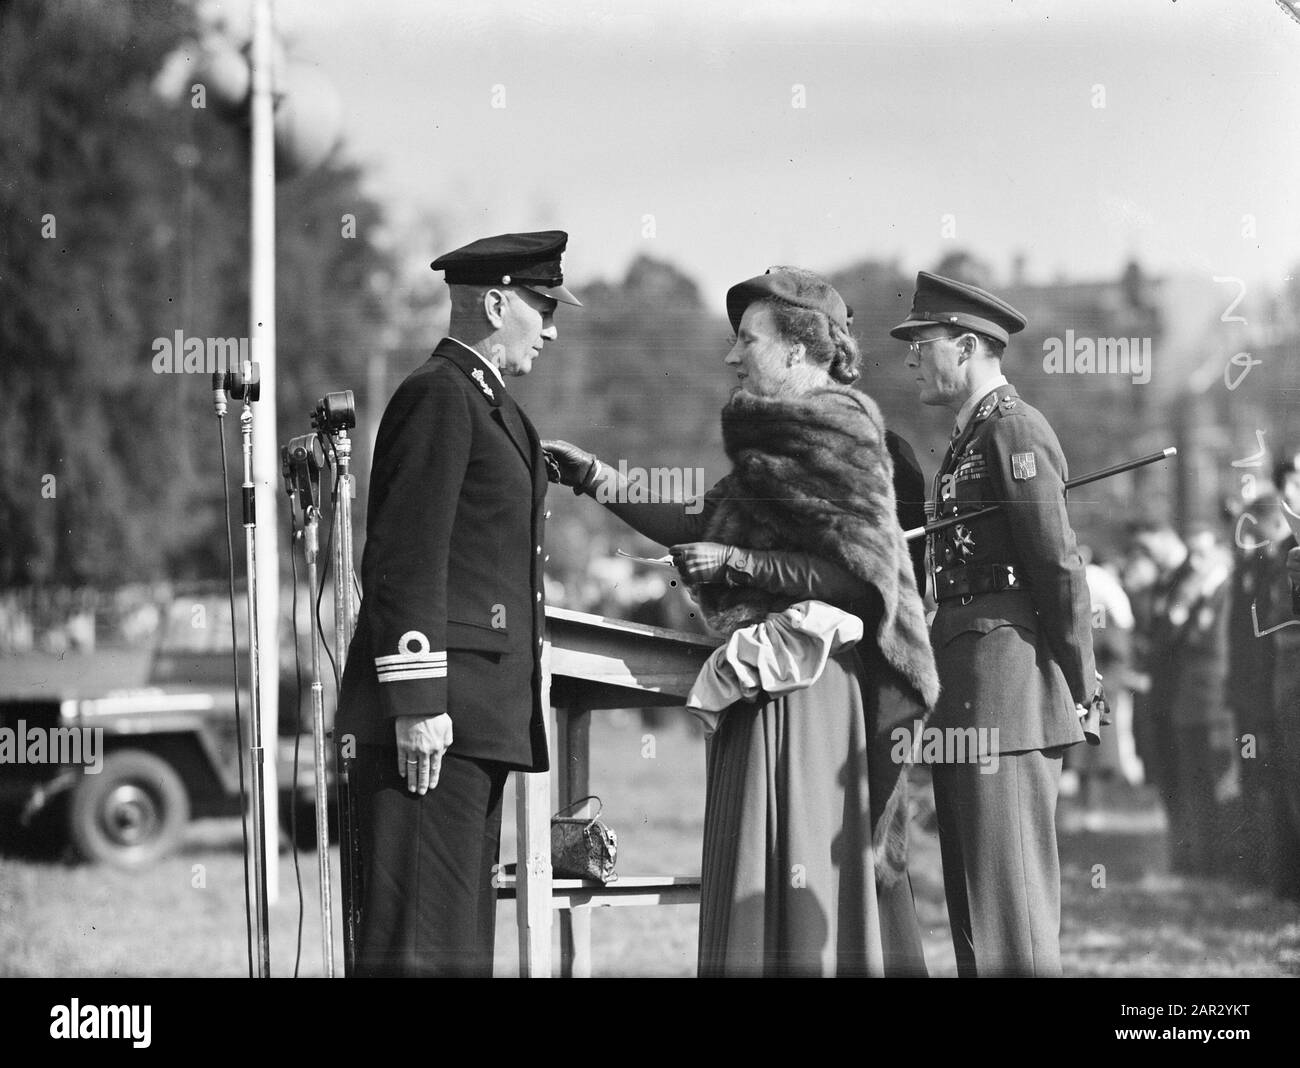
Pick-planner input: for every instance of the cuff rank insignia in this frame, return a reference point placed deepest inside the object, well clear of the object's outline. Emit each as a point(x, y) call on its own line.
point(412, 661)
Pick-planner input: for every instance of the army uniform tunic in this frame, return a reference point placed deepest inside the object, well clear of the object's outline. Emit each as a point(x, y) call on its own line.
point(1013, 643)
point(1263, 691)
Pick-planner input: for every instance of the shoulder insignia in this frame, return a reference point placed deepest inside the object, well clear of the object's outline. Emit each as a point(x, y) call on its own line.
point(1023, 466)
point(412, 661)
point(477, 375)
point(1008, 403)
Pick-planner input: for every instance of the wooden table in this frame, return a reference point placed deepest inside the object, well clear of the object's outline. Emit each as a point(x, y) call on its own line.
point(590, 662)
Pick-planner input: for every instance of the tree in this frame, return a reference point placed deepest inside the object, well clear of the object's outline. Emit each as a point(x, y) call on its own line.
point(967, 267)
point(125, 220)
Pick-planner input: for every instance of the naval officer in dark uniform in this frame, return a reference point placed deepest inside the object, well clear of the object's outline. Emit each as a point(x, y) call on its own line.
point(442, 691)
point(1012, 634)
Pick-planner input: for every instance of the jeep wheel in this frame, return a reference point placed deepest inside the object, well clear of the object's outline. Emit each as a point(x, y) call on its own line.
point(131, 813)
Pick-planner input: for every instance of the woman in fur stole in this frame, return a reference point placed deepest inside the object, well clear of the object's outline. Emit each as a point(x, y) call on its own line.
point(805, 828)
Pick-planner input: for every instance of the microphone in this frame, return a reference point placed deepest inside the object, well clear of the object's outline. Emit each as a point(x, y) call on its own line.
point(219, 393)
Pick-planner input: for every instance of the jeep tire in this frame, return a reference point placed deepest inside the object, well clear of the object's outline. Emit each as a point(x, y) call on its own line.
point(131, 813)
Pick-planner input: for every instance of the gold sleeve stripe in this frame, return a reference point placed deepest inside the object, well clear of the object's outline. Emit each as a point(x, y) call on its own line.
point(411, 658)
point(401, 674)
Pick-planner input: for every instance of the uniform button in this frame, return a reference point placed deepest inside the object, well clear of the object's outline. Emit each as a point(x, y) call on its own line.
point(539, 596)
point(539, 550)
point(546, 559)
point(547, 515)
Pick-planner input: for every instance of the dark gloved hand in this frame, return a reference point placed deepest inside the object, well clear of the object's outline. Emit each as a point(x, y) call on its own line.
point(700, 562)
point(570, 466)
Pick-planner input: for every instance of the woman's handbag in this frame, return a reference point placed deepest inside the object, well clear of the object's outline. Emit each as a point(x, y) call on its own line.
point(582, 848)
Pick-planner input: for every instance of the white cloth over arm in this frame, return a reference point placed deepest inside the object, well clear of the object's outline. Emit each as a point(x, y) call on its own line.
point(786, 651)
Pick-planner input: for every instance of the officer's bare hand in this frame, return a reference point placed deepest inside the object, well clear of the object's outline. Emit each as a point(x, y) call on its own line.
point(421, 742)
point(700, 561)
point(568, 464)
point(1293, 565)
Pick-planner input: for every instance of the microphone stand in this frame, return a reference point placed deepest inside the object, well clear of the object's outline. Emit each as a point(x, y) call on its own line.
point(345, 614)
point(302, 481)
point(345, 607)
point(243, 385)
point(335, 414)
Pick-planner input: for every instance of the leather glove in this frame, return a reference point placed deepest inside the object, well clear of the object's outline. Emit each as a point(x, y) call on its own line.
point(701, 562)
point(570, 466)
point(794, 574)
point(1095, 715)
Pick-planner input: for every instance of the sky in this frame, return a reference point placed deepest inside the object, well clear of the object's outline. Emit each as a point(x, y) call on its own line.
point(674, 129)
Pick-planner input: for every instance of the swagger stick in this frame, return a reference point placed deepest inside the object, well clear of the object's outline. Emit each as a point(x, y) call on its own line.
point(936, 525)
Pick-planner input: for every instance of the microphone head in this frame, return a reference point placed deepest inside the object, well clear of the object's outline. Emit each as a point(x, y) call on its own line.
point(286, 469)
point(243, 383)
point(219, 392)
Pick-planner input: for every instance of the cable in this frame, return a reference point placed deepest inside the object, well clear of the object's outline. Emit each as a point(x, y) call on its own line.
point(297, 741)
point(234, 655)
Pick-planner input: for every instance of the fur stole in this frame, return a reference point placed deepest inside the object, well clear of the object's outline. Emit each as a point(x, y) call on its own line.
point(813, 474)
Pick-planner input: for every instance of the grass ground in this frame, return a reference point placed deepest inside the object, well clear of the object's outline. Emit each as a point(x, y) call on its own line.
point(185, 915)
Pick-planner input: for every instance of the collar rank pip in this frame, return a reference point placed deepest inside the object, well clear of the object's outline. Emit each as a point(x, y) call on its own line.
point(477, 375)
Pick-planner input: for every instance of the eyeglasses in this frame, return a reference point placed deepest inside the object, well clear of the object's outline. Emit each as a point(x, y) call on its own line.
point(914, 347)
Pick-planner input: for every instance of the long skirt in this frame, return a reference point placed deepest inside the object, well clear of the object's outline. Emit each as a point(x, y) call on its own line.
point(788, 876)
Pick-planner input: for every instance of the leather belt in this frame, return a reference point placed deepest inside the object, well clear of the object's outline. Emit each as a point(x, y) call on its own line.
point(968, 580)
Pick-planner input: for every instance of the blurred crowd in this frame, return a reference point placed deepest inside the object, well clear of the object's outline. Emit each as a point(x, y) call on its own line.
point(1198, 642)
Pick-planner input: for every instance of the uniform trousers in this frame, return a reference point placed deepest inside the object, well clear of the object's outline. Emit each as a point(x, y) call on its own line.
point(428, 903)
point(1287, 781)
point(1001, 871)
point(1260, 830)
point(1190, 805)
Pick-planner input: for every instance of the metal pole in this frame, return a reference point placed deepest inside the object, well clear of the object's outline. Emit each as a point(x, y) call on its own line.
point(344, 620)
point(345, 593)
point(256, 751)
point(311, 549)
point(266, 458)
